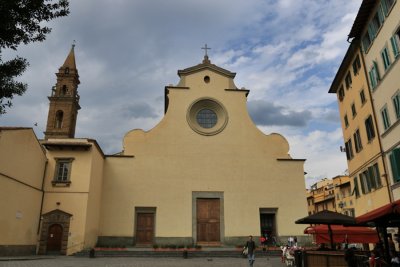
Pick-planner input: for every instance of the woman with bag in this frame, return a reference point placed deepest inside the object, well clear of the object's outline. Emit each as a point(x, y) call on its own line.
point(250, 247)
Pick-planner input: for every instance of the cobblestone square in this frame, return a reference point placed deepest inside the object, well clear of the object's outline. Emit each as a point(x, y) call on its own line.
point(65, 261)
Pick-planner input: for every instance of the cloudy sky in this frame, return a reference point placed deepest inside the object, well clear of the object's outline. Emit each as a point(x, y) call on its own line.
point(285, 52)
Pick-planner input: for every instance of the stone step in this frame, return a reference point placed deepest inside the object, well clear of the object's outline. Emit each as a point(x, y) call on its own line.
point(175, 253)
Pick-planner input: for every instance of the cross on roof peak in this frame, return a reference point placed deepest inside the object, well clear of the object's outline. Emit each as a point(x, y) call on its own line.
point(205, 49)
point(206, 60)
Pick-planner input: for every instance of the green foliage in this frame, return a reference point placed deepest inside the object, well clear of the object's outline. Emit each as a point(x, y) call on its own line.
point(22, 22)
point(10, 87)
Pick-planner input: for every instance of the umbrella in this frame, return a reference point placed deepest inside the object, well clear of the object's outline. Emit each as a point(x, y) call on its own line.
point(329, 218)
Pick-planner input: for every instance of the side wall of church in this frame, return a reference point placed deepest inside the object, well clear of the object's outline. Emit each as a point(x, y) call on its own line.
point(94, 200)
point(22, 164)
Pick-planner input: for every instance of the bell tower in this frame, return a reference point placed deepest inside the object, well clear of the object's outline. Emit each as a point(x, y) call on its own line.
point(64, 101)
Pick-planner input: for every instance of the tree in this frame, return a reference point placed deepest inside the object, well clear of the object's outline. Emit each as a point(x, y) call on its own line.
point(21, 21)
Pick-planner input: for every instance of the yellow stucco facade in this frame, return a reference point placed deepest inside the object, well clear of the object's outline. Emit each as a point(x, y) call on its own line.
point(382, 63)
point(22, 167)
point(361, 136)
point(204, 175)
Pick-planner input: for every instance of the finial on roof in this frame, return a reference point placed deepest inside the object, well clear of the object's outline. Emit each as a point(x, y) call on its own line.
point(73, 44)
point(206, 60)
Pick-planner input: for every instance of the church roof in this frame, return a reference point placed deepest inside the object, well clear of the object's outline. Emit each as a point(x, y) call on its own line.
point(206, 64)
point(70, 60)
point(14, 128)
point(362, 18)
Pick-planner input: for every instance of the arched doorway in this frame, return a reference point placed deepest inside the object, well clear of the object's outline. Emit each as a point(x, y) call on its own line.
point(54, 232)
point(54, 238)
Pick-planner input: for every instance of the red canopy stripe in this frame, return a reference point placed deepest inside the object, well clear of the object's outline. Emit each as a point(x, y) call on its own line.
point(393, 207)
point(342, 234)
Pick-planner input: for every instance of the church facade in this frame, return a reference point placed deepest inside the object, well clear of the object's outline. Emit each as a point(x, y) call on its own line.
point(204, 175)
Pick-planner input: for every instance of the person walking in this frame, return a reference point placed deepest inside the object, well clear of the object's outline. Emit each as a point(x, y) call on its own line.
point(251, 247)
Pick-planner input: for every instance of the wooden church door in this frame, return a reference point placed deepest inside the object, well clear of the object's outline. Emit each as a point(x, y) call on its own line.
point(208, 220)
point(54, 238)
point(145, 228)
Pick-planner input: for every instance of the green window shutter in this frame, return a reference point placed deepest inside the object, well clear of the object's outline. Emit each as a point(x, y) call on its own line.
point(371, 31)
point(377, 175)
point(384, 7)
point(365, 42)
point(356, 190)
point(385, 58)
point(362, 183)
point(395, 46)
point(396, 104)
point(395, 164)
point(371, 78)
point(378, 77)
point(380, 13)
point(371, 176)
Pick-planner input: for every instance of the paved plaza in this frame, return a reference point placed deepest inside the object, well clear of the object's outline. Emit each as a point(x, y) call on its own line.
point(65, 261)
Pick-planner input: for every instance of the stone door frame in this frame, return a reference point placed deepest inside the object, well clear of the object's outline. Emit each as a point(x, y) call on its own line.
point(48, 219)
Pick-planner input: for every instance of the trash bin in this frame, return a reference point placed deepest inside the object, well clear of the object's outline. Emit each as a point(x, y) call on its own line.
point(298, 258)
point(91, 253)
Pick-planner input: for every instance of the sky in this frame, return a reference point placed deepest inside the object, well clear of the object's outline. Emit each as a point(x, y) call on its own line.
point(286, 52)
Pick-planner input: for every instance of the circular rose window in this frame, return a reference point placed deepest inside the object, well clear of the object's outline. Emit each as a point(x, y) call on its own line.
point(207, 116)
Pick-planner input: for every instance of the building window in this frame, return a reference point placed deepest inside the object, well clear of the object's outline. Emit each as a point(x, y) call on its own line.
point(59, 119)
point(357, 141)
point(385, 118)
point(356, 65)
point(356, 191)
point(396, 104)
point(387, 5)
point(374, 77)
point(346, 121)
point(348, 80)
point(366, 40)
point(63, 171)
point(362, 97)
point(370, 179)
point(395, 45)
point(365, 185)
point(206, 118)
point(353, 110)
point(341, 93)
point(349, 150)
point(377, 21)
point(369, 126)
point(66, 71)
point(64, 90)
point(375, 176)
point(385, 58)
point(395, 164)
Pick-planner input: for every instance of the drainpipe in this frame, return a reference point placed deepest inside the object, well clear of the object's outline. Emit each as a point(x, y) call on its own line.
point(42, 189)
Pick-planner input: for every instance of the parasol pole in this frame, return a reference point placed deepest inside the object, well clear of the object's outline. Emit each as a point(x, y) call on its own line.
point(331, 236)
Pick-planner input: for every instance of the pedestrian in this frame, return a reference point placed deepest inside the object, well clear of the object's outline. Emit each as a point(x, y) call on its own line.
point(251, 247)
point(392, 247)
point(262, 242)
point(350, 257)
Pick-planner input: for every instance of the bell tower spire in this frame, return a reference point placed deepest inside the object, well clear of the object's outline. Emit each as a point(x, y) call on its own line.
point(64, 101)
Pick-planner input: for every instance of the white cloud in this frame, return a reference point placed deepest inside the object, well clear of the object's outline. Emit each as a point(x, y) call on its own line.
point(286, 52)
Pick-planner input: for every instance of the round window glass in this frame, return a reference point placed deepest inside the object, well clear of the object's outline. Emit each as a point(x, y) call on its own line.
point(206, 118)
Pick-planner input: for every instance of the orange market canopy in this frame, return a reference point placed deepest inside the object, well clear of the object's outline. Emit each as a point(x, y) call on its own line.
point(343, 234)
